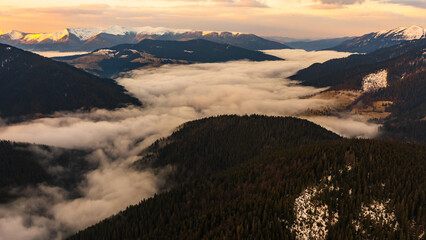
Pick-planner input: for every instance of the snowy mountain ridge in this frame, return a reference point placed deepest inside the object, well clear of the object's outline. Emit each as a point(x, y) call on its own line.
point(403, 33)
point(84, 34)
point(376, 40)
point(90, 39)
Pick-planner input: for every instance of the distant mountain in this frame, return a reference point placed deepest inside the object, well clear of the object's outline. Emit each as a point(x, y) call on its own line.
point(285, 40)
point(376, 40)
point(390, 80)
point(317, 45)
point(32, 85)
point(108, 62)
point(89, 39)
point(296, 181)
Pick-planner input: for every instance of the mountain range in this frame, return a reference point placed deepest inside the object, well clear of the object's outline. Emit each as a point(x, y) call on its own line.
point(32, 86)
point(89, 39)
point(372, 41)
point(317, 45)
point(109, 62)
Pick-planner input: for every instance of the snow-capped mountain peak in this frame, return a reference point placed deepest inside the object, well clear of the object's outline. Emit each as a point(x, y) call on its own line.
point(403, 33)
point(84, 33)
point(15, 35)
point(118, 30)
point(36, 37)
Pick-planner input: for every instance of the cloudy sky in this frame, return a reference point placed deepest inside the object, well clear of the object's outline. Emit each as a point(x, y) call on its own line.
point(290, 18)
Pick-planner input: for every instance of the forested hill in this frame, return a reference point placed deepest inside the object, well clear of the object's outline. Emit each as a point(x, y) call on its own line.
point(331, 188)
point(209, 145)
point(32, 85)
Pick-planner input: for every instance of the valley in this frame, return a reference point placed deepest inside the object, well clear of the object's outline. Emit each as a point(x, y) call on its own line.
point(160, 133)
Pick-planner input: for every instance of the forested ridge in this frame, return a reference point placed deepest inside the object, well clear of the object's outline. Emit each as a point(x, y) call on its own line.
point(32, 85)
point(254, 197)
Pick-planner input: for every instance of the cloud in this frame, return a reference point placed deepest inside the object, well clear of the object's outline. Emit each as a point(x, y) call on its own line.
point(330, 4)
point(347, 126)
point(228, 3)
point(414, 3)
point(341, 2)
point(173, 95)
point(241, 3)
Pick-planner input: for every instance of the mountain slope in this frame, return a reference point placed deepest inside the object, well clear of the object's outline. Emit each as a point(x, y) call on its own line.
point(390, 82)
point(329, 189)
point(31, 85)
point(376, 40)
point(347, 73)
point(121, 58)
point(89, 39)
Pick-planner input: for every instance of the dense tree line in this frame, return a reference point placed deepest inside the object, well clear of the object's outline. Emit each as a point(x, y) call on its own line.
point(253, 198)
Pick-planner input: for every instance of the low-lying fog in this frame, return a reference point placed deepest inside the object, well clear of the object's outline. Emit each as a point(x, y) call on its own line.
point(51, 54)
point(172, 95)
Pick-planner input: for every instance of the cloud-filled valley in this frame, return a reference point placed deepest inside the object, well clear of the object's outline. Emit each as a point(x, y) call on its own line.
point(171, 95)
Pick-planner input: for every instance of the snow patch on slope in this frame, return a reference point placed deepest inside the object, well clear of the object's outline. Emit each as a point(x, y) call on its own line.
point(106, 52)
point(311, 216)
point(375, 81)
point(377, 213)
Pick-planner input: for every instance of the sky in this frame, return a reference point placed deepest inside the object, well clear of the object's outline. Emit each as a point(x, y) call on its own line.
point(287, 18)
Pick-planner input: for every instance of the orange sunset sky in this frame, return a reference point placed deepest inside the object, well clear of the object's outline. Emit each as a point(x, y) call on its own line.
point(289, 18)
